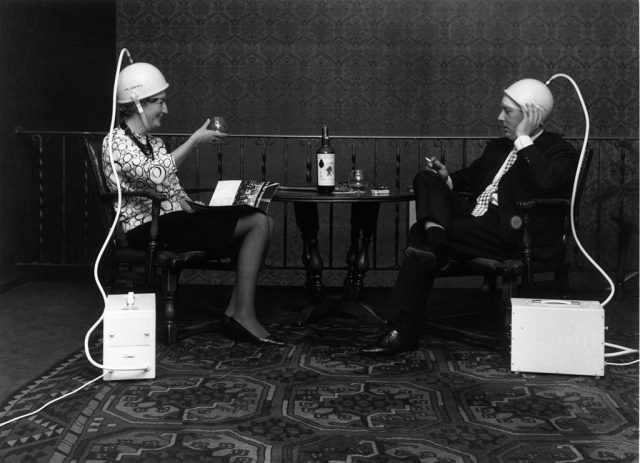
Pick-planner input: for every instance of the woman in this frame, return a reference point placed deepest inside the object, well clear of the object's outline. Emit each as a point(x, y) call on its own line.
point(143, 163)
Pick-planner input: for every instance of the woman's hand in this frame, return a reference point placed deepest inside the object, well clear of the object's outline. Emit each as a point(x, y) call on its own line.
point(205, 134)
point(202, 135)
point(438, 167)
point(186, 206)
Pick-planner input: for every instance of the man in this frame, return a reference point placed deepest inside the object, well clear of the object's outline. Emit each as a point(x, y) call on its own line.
point(527, 162)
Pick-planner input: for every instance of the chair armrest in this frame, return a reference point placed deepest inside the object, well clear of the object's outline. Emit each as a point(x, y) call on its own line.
point(152, 195)
point(539, 208)
point(156, 199)
point(529, 204)
point(535, 202)
point(198, 190)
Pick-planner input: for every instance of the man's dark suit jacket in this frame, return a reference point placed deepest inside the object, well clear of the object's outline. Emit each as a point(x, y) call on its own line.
point(543, 170)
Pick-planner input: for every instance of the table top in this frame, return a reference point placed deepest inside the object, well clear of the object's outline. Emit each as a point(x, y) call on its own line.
point(309, 194)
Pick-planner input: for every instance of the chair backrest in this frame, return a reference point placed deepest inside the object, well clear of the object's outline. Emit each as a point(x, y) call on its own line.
point(558, 229)
point(97, 177)
point(95, 163)
point(98, 181)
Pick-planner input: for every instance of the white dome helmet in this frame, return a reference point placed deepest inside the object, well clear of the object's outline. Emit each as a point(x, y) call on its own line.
point(531, 91)
point(139, 81)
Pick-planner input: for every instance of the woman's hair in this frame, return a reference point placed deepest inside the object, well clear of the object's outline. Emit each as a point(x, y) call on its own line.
point(126, 110)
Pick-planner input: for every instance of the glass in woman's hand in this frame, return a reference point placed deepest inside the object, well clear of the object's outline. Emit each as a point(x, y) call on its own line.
point(218, 123)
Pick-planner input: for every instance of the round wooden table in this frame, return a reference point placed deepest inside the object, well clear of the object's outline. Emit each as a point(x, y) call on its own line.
point(365, 206)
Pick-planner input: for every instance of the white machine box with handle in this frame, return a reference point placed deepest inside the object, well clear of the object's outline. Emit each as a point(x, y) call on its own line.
point(557, 336)
point(129, 337)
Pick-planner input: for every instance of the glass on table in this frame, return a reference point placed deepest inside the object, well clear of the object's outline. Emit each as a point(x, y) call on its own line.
point(357, 181)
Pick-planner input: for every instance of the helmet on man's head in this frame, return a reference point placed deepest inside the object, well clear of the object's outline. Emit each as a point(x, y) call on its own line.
point(139, 81)
point(531, 91)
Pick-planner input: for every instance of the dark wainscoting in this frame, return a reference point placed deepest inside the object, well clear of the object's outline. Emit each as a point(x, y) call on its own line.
point(61, 231)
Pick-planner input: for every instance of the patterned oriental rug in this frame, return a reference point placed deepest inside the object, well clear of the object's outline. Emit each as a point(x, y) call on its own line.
point(317, 401)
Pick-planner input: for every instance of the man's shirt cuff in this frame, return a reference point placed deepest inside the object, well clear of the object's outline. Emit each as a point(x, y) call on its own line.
point(522, 142)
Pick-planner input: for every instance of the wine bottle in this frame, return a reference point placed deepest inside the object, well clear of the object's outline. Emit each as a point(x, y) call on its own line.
point(325, 164)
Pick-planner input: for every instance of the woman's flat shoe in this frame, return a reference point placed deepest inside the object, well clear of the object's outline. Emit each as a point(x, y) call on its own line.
point(239, 332)
point(271, 340)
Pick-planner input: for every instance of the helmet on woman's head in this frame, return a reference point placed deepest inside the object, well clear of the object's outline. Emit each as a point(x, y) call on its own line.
point(139, 81)
point(531, 91)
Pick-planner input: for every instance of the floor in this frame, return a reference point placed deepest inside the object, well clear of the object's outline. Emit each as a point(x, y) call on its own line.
point(43, 322)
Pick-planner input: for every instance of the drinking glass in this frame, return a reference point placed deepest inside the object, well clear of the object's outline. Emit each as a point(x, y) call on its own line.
point(357, 180)
point(218, 123)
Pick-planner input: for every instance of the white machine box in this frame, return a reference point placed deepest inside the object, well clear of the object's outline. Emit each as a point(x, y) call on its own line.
point(129, 337)
point(557, 336)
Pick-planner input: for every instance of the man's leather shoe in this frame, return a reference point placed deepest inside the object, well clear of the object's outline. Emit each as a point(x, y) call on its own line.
point(391, 343)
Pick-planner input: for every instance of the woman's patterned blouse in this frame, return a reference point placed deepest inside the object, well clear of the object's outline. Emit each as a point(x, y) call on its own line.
point(137, 172)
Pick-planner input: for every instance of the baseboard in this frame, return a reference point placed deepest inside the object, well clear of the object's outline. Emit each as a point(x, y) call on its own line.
point(9, 283)
point(36, 271)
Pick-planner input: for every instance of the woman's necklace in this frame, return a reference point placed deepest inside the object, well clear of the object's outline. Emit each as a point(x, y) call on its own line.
point(146, 149)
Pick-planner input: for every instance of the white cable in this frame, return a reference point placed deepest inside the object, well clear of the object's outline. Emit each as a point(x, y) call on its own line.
point(575, 187)
point(622, 350)
point(95, 268)
point(53, 401)
point(113, 225)
point(624, 364)
point(621, 353)
point(612, 286)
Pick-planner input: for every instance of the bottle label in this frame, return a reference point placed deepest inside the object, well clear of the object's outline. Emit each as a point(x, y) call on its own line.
point(326, 169)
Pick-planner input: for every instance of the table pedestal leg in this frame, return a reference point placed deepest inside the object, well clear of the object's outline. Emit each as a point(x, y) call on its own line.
point(363, 222)
point(307, 221)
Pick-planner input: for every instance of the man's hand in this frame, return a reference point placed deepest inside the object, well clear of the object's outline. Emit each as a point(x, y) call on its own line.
point(531, 120)
point(436, 166)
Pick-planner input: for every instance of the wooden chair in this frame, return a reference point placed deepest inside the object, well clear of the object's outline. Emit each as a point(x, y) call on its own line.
point(627, 227)
point(536, 257)
point(161, 267)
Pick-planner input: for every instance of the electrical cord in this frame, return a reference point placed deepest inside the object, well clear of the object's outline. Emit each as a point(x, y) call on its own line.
point(623, 350)
point(113, 225)
point(108, 369)
point(79, 388)
point(53, 401)
point(621, 364)
point(575, 187)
